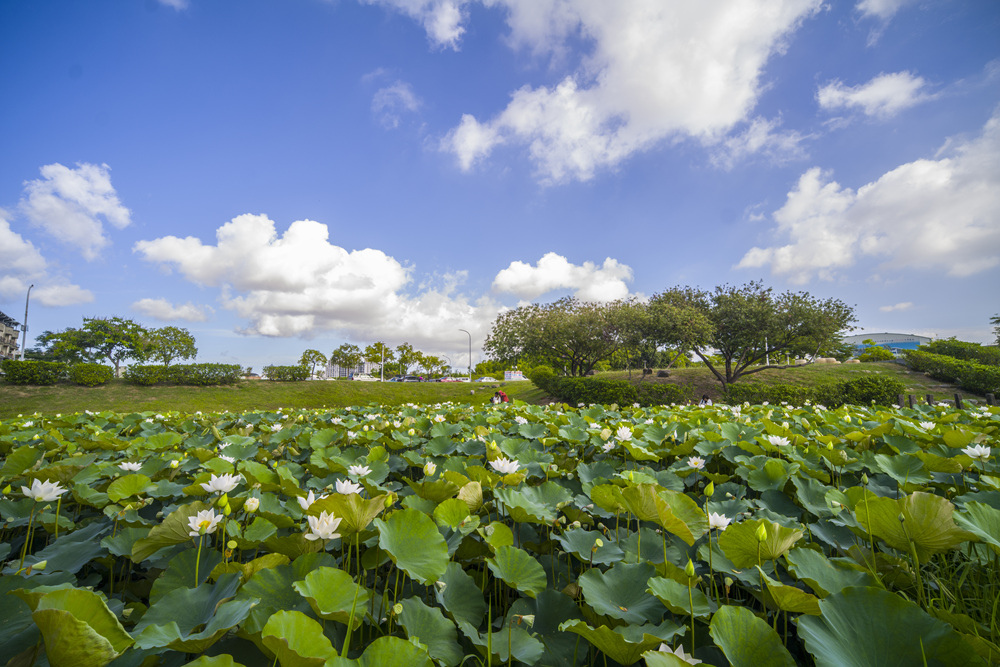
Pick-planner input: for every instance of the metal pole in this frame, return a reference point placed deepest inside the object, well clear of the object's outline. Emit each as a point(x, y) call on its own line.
point(381, 366)
point(24, 325)
point(470, 353)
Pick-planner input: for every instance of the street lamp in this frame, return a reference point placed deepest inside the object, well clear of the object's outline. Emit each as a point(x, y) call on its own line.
point(470, 353)
point(24, 325)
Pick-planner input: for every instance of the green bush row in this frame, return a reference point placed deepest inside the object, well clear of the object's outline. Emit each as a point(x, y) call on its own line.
point(286, 373)
point(90, 375)
point(33, 372)
point(197, 375)
point(969, 375)
point(877, 389)
point(988, 356)
point(574, 390)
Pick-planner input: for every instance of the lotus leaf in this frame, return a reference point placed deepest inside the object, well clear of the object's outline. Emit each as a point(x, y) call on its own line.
point(297, 640)
point(432, 629)
point(748, 641)
point(622, 592)
point(173, 530)
point(983, 521)
point(674, 595)
point(926, 522)
point(624, 645)
point(458, 594)
point(789, 598)
point(180, 572)
point(414, 544)
point(334, 596)
point(826, 575)
point(583, 544)
point(272, 586)
point(741, 545)
point(78, 628)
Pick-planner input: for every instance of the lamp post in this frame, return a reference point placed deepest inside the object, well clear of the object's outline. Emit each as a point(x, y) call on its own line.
point(470, 353)
point(24, 325)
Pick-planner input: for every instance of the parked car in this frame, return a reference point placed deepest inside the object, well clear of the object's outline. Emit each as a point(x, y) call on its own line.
point(412, 378)
point(486, 378)
point(364, 377)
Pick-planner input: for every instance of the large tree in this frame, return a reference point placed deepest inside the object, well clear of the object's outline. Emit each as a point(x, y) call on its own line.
point(570, 335)
point(378, 353)
point(311, 358)
point(346, 356)
point(406, 356)
point(168, 343)
point(113, 338)
point(750, 324)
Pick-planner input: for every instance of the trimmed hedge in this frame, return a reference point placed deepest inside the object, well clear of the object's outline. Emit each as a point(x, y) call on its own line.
point(876, 354)
point(33, 372)
point(574, 390)
point(286, 373)
point(969, 375)
point(756, 393)
point(145, 375)
point(877, 389)
point(90, 375)
point(197, 375)
point(958, 349)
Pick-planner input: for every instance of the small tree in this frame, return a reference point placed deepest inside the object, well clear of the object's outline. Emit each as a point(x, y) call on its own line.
point(874, 352)
point(311, 358)
point(168, 343)
point(406, 356)
point(995, 321)
point(378, 353)
point(346, 356)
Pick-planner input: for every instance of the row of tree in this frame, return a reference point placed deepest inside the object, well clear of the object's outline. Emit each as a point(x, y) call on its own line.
point(114, 339)
point(734, 330)
point(399, 359)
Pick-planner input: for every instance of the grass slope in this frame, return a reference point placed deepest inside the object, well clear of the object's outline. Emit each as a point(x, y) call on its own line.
point(262, 395)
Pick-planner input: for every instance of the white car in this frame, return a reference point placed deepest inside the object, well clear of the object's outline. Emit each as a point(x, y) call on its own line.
point(485, 379)
point(364, 377)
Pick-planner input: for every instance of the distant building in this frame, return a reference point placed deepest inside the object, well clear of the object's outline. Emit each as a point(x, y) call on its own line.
point(336, 371)
point(9, 331)
point(894, 342)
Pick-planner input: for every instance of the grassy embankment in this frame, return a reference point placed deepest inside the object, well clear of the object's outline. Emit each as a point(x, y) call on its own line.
point(262, 395)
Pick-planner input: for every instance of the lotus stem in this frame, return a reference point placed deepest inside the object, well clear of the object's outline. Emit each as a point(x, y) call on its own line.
point(58, 507)
point(691, 606)
point(27, 538)
point(197, 561)
point(350, 622)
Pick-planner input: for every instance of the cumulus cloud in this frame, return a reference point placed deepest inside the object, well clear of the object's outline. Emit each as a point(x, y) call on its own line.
point(882, 9)
point(21, 265)
point(442, 19)
point(554, 272)
point(390, 103)
point(938, 215)
point(882, 97)
point(161, 309)
point(69, 204)
point(904, 305)
point(655, 72)
point(300, 284)
point(761, 137)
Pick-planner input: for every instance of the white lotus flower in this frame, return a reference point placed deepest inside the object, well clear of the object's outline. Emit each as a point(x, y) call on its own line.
point(981, 452)
point(716, 520)
point(43, 492)
point(251, 504)
point(227, 459)
point(623, 433)
point(304, 503)
point(927, 425)
point(608, 446)
point(696, 462)
point(520, 420)
point(439, 418)
point(689, 659)
point(359, 471)
point(222, 483)
point(777, 440)
point(430, 468)
point(130, 466)
point(346, 487)
point(322, 527)
point(203, 523)
point(504, 465)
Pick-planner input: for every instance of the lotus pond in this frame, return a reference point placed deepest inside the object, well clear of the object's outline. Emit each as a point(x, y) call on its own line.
point(528, 535)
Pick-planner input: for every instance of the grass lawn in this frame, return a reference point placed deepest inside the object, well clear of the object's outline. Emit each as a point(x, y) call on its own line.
point(120, 396)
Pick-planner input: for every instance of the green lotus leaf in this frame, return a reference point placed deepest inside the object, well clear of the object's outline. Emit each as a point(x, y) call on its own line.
point(614, 643)
point(674, 595)
point(452, 513)
point(273, 587)
point(21, 459)
point(926, 521)
point(671, 510)
point(773, 475)
point(458, 593)
point(826, 575)
point(957, 438)
point(789, 598)
point(126, 486)
point(224, 660)
point(472, 495)
point(71, 552)
point(173, 530)
point(415, 545)
point(902, 468)
point(173, 620)
point(664, 659)
point(435, 490)
point(740, 544)
point(518, 570)
point(260, 530)
point(432, 629)
point(983, 521)
point(180, 572)
point(621, 592)
point(497, 535)
point(535, 504)
point(532, 431)
point(333, 595)
point(355, 513)
point(522, 646)
point(609, 498)
point(746, 640)
point(293, 546)
point(79, 629)
point(583, 544)
point(124, 538)
point(297, 640)
point(844, 634)
point(638, 452)
point(388, 652)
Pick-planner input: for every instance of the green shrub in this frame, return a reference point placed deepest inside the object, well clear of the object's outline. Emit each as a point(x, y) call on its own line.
point(958, 349)
point(876, 354)
point(90, 375)
point(145, 375)
point(542, 377)
point(33, 372)
point(877, 389)
point(286, 373)
point(970, 376)
point(657, 393)
point(202, 375)
point(757, 393)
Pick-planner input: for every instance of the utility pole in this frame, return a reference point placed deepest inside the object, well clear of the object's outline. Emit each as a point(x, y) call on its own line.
point(470, 353)
point(24, 325)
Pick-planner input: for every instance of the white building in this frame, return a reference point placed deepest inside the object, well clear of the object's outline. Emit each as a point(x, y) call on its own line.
point(894, 342)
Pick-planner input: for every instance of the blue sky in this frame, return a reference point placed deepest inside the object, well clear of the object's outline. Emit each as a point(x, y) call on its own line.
point(282, 175)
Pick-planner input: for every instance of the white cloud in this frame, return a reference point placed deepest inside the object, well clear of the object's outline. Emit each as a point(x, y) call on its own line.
point(656, 71)
point(938, 215)
point(882, 9)
point(555, 272)
point(161, 309)
point(176, 4)
point(759, 138)
point(299, 284)
point(21, 265)
point(67, 203)
point(904, 305)
point(884, 96)
point(391, 102)
point(442, 19)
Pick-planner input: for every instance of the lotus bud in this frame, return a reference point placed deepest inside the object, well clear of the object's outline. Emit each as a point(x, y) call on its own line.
point(598, 543)
point(40, 565)
point(223, 500)
point(231, 544)
point(710, 490)
point(901, 517)
point(388, 501)
point(762, 533)
point(441, 585)
point(397, 609)
point(251, 504)
point(864, 479)
point(174, 463)
point(430, 468)
point(830, 446)
point(689, 569)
